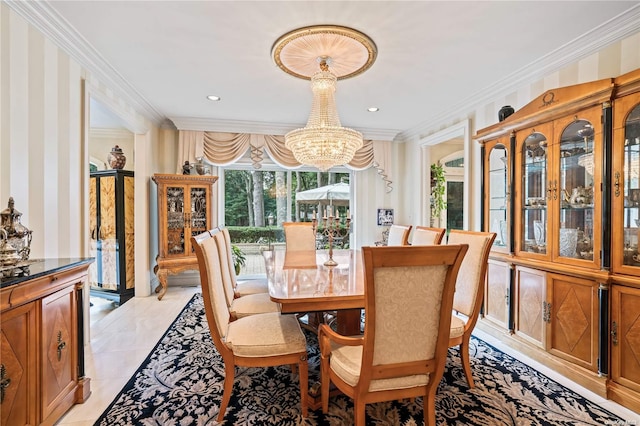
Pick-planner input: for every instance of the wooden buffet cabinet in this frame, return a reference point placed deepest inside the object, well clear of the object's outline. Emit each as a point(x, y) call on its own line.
point(42, 349)
point(185, 208)
point(561, 181)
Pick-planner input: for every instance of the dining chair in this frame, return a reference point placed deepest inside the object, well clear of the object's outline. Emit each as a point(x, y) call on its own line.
point(262, 340)
point(403, 351)
point(239, 306)
point(398, 235)
point(426, 236)
point(469, 291)
point(299, 236)
point(243, 287)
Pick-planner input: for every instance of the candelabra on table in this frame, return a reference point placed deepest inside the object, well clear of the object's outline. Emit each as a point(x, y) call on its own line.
point(330, 227)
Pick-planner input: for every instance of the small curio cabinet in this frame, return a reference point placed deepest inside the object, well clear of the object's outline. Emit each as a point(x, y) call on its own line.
point(185, 209)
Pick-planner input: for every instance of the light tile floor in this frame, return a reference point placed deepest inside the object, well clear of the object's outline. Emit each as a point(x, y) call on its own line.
point(122, 338)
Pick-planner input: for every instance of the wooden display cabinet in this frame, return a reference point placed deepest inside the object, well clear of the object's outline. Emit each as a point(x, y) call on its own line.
point(41, 347)
point(624, 386)
point(185, 208)
point(553, 264)
point(111, 222)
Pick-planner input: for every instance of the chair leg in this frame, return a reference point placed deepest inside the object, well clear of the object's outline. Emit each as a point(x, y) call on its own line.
point(303, 369)
point(229, 377)
point(325, 383)
point(360, 412)
point(429, 408)
point(466, 362)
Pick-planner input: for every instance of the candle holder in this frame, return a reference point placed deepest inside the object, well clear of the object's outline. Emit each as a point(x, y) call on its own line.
point(330, 228)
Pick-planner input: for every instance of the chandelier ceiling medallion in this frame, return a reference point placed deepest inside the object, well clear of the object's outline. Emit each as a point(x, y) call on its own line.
point(340, 53)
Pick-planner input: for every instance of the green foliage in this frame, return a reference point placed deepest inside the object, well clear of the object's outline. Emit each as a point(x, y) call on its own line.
point(252, 234)
point(238, 195)
point(438, 203)
point(239, 258)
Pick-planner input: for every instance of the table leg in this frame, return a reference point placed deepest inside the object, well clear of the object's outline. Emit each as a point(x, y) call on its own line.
point(349, 322)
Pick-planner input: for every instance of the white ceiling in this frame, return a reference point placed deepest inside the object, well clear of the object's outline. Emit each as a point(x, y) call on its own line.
point(434, 57)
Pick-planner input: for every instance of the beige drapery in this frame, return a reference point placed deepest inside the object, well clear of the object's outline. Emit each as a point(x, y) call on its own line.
point(223, 149)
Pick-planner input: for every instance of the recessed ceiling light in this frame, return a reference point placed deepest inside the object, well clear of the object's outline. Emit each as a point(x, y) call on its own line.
point(213, 98)
point(373, 109)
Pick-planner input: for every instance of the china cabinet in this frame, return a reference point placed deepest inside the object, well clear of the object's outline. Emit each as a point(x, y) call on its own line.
point(624, 386)
point(111, 222)
point(42, 349)
point(185, 208)
point(551, 272)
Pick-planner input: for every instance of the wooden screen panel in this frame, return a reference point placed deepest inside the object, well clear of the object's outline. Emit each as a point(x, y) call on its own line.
point(107, 208)
point(129, 237)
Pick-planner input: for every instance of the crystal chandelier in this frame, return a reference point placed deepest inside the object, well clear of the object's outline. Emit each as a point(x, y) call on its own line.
point(323, 142)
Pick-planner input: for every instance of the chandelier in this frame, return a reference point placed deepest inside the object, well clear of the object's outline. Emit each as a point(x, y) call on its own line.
point(323, 142)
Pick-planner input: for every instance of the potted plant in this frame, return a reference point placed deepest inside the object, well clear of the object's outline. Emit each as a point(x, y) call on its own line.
point(238, 257)
point(438, 203)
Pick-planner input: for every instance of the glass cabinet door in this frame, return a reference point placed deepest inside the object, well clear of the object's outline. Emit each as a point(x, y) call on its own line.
point(574, 186)
point(176, 222)
point(497, 194)
point(534, 216)
point(628, 176)
point(199, 207)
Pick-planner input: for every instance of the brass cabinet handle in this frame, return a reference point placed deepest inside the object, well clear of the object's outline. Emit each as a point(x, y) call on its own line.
point(5, 381)
point(61, 345)
point(614, 333)
point(616, 184)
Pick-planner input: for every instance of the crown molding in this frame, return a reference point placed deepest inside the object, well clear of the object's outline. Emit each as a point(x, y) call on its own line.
point(46, 19)
point(238, 126)
point(614, 30)
point(105, 133)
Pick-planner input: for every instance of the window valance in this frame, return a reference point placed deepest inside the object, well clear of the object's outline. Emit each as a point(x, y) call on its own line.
point(224, 149)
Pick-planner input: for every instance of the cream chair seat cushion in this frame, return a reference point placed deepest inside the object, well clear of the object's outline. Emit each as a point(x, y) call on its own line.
point(346, 363)
point(254, 286)
point(457, 327)
point(252, 304)
point(267, 334)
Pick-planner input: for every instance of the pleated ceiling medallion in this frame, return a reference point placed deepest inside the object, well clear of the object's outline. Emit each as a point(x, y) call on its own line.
point(340, 53)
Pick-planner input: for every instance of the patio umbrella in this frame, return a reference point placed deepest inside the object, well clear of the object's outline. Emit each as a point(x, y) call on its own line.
point(336, 194)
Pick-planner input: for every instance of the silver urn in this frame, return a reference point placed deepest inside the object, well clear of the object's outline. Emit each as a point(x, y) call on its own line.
point(16, 235)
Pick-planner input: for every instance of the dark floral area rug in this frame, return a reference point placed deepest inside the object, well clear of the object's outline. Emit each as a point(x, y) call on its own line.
point(181, 381)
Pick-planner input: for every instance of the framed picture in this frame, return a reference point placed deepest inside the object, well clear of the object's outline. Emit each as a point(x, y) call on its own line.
point(385, 217)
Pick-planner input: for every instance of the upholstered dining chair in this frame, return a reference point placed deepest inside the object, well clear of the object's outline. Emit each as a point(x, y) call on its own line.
point(243, 306)
point(469, 291)
point(299, 236)
point(426, 236)
point(399, 235)
point(403, 351)
point(244, 287)
point(261, 340)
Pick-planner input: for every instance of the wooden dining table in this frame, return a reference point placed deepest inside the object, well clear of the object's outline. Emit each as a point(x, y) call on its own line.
point(300, 282)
